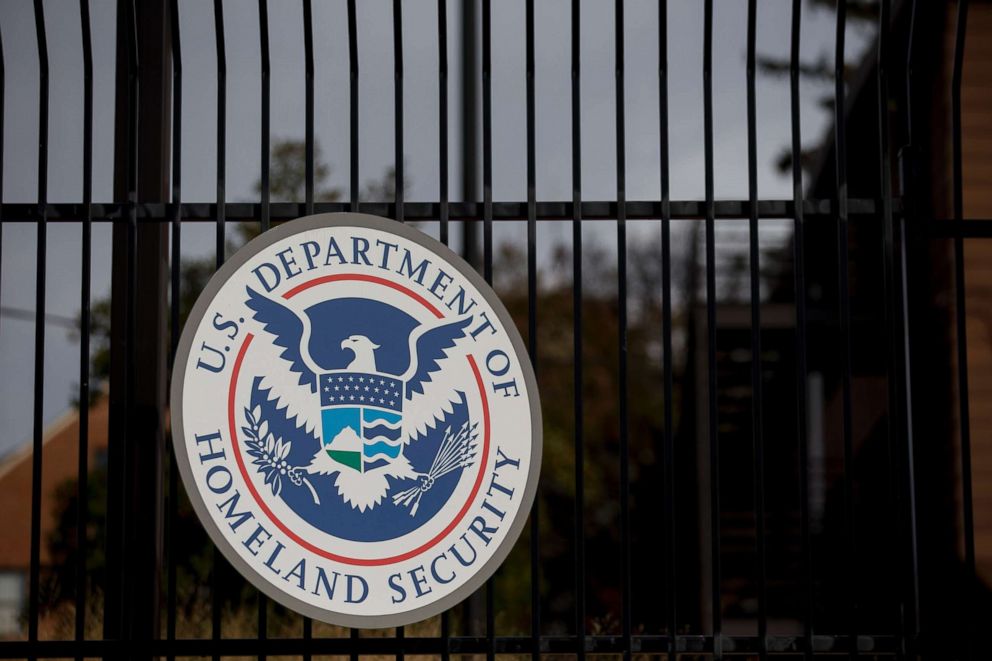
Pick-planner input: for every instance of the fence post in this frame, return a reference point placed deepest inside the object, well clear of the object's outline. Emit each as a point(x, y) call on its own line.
point(138, 336)
point(470, 126)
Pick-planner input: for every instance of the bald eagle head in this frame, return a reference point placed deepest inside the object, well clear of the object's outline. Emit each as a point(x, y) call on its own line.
point(364, 350)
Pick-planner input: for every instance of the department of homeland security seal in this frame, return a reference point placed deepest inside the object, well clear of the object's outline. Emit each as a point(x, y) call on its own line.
point(356, 421)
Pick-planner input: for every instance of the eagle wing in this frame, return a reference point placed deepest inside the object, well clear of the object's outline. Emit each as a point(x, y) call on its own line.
point(291, 368)
point(426, 399)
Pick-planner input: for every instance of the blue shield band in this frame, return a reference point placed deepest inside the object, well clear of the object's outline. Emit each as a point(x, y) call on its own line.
point(361, 389)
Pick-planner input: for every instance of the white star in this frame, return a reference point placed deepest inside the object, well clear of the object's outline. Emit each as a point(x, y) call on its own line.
point(337, 387)
point(351, 378)
point(366, 388)
point(331, 398)
point(326, 389)
point(351, 397)
point(392, 403)
point(377, 389)
point(361, 378)
point(381, 382)
point(340, 379)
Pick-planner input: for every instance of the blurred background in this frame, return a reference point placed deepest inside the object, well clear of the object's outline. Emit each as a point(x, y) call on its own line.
point(846, 499)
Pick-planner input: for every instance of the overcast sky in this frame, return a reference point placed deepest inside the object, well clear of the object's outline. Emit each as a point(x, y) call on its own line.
point(553, 125)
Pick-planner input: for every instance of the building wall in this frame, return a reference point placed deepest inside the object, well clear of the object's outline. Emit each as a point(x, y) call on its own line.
point(59, 468)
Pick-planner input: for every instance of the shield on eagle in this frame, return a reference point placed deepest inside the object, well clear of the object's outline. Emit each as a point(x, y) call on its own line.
point(361, 418)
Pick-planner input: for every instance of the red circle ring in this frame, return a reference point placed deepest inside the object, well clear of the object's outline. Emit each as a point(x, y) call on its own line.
point(368, 562)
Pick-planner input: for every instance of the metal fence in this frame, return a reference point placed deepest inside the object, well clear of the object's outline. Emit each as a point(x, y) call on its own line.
point(149, 212)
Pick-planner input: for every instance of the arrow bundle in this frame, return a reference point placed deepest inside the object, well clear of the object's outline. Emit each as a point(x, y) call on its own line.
point(456, 451)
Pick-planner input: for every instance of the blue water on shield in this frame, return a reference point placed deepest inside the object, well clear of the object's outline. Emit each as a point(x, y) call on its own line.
point(365, 436)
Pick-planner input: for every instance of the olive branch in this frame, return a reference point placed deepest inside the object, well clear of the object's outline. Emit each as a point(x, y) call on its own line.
point(269, 454)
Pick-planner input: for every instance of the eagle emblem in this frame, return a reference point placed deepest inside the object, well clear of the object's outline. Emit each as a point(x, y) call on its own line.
point(361, 416)
point(356, 420)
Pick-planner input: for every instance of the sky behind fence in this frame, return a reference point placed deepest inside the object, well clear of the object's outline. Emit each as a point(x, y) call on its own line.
point(375, 39)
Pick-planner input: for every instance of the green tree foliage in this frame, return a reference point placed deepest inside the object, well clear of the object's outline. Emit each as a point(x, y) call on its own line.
point(861, 14)
point(287, 174)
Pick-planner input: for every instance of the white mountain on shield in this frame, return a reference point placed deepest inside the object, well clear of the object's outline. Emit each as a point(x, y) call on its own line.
point(360, 418)
point(347, 440)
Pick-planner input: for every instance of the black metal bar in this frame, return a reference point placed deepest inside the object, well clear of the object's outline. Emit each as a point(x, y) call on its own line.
point(711, 384)
point(176, 207)
point(171, 532)
point(171, 522)
point(909, 640)
point(844, 302)
point(910, 627)
point(621, 174)
point(398, 179)
point(116, 619)
point(219, 253)
point(442, 110)
point(39, 324)
point(969, 228)
point(903, 313)
point(354, 639)
point(531, 191)
point(668, 447)
point(130, 296)
point(148, 320)
point(353, 204)
point(757, 430)
point(442, 60)
point(469, 141)
point(577, 358)
point(353, 101)
point(819, 210)
point(309, 156)
point(893, 376)
point(309, 176)
point(490, 595)
point(263, 38)
point(961, 330)
point(398, 185)
point(883, 645)
point(487, 242)
point(535, 523)
point(400, 638)
point(910, 69)
point(264, 220)
point(487, 142)
point(175, 296)
point(221, 208)
point(799, 270)
point(3, 83)
point(82, 470)
point(897, 370)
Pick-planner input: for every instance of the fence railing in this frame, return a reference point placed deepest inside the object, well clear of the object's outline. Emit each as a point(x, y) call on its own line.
point(144, 604)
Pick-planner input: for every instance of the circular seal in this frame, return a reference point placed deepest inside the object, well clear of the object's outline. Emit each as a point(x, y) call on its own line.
point(356, 420)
